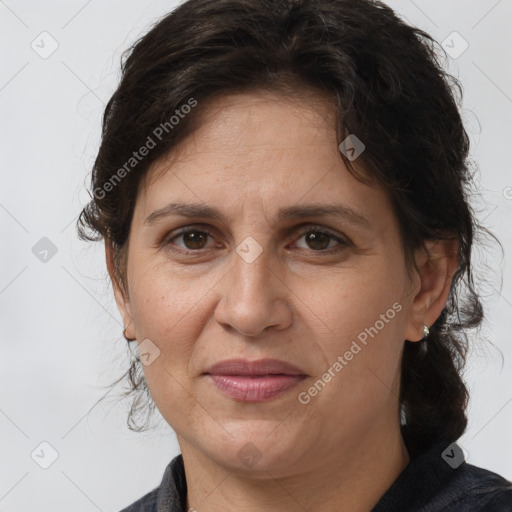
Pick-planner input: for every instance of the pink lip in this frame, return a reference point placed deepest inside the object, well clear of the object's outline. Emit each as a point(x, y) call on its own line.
point(255, 389)
point(254, 381)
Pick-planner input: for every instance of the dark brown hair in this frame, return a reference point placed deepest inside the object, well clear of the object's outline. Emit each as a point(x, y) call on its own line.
point(387, 86)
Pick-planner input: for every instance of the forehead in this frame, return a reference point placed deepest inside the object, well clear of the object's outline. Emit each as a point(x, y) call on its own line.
point(241, 127)
point(259, 147)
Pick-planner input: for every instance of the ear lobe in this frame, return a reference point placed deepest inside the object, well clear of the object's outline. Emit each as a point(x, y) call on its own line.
point(120, 294)
point(435, 271)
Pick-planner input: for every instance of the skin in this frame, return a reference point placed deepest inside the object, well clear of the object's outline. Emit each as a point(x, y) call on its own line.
point(254, 154)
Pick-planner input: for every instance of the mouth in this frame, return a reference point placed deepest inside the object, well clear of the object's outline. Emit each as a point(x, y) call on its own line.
point(254, 381)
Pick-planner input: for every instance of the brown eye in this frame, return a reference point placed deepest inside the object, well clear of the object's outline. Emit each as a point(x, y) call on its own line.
point(195, 239)
point(191, 240)
point(320, 240)
point(317, 241)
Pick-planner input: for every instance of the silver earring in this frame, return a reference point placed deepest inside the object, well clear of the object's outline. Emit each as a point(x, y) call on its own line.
point(423, 346)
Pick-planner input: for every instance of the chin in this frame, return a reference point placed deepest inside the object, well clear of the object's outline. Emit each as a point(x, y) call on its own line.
point(256, 450)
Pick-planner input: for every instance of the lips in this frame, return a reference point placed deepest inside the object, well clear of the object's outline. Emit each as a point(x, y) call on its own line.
point(254, 381)
point(261, 367)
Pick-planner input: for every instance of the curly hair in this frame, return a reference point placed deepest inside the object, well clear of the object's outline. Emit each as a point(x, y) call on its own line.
point(387, 85)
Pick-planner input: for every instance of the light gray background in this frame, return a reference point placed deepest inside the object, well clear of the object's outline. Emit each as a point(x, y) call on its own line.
point(60, 330)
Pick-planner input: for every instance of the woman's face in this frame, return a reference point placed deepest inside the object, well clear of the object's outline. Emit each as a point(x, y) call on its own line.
point(259, 280)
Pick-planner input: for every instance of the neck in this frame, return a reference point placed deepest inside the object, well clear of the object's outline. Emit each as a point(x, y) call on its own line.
point(353, 480)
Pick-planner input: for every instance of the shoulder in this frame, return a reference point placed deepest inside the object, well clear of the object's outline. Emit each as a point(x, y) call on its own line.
point(145, 504)
point(478, 489)
point(169, 496)
point(438, 479)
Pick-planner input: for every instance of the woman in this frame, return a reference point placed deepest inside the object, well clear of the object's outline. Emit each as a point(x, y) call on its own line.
point(282, 191)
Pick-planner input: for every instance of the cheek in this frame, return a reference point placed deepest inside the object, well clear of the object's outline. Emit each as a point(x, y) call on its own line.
point(163, 298)
point(166, 309)
point(362, 315)
point(349, 304)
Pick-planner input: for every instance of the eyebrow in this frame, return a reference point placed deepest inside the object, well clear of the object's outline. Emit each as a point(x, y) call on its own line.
point(194, 210)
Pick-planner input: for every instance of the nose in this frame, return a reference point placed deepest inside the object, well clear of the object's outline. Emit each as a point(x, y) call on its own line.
point(254, 297)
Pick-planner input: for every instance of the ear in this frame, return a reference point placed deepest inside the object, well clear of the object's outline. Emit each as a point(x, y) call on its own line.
point(120, 294)
point(435, 273)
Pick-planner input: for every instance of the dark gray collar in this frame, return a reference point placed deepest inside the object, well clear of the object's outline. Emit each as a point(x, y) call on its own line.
point(430, 483)
point(172, 494)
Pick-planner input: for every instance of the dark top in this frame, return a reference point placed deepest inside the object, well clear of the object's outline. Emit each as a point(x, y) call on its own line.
point(437, 480)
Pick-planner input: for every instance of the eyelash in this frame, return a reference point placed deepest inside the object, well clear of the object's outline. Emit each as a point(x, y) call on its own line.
point(167, 241)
